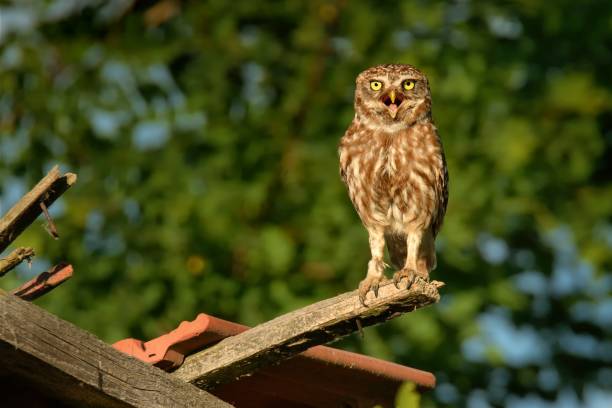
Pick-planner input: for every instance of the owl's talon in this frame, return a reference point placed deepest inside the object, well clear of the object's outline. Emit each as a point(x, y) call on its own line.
point(370, 283)
point(409, 274)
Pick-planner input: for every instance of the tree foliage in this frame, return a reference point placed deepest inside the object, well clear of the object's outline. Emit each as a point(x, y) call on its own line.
point(204, 135)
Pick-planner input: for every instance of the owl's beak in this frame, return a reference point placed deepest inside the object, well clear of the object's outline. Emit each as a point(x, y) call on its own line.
point(393, 102)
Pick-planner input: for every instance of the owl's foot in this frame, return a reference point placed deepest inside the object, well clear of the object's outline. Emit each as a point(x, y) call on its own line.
point(370, 283)
point(409, 274)
point(376, 269)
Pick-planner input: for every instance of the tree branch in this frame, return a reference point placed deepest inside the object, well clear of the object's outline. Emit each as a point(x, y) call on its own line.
point(292, 333)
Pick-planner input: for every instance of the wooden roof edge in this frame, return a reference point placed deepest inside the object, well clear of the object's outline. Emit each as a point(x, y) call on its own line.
point(66, 361)
point(169, 350)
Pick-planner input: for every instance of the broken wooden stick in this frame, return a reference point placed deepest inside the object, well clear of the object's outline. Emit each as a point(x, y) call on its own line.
point(25, 211)
point(44, 282)
point(15, 258)
point(292, 333)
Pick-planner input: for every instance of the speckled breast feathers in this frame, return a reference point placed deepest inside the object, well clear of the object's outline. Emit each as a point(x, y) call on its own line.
point(392, 161)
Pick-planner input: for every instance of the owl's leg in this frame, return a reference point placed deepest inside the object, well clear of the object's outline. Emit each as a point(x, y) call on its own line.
point(376, 266)
point(410, 270)
point(427, 256)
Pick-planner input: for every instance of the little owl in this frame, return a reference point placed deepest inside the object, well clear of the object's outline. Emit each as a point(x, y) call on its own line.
point(392, 162)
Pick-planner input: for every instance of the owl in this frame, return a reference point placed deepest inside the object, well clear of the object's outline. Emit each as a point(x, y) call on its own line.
point(393, 164)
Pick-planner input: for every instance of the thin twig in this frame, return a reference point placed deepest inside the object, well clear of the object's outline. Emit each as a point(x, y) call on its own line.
point(359, 327)
point(50, 227)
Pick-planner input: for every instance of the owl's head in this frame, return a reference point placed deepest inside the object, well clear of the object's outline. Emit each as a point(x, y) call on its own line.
point(393, 95)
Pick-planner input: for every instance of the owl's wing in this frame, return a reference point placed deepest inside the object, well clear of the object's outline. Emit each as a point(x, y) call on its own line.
point(342, 154)
point(442, 191)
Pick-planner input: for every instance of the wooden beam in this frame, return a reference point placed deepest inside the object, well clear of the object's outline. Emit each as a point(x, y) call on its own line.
point(74, 366)
point(26, 210)
point(292, 333)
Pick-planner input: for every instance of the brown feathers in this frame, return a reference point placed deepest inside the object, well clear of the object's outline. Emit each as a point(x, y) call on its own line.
point(392, 162)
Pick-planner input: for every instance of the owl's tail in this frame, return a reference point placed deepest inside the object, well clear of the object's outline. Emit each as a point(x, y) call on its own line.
point(396, 244)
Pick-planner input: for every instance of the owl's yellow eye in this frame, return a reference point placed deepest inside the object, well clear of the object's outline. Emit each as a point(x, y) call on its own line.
point(375, 85)
point(408, 84)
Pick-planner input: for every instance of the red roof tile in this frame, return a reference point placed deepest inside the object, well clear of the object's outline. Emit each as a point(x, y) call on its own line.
point(321, 376)
point(43, 283)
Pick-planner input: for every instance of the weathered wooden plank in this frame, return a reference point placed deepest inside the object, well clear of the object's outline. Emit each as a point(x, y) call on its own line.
point(70, 364)
point(25, 211)
point(292, 333)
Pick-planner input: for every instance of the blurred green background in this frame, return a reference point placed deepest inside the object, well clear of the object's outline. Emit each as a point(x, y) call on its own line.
point(204, 135)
